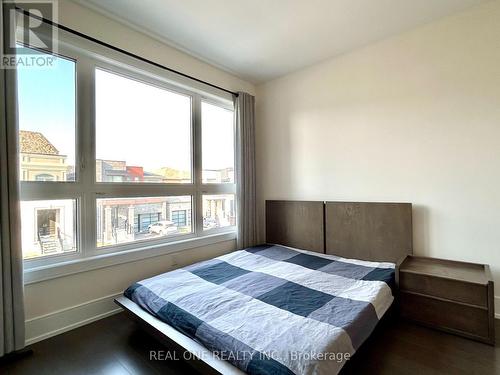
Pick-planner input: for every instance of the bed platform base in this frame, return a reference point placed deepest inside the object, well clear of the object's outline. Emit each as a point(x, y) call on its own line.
point(175, 341)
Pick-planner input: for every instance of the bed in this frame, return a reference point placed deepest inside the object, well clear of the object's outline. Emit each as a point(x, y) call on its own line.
point(295, 305)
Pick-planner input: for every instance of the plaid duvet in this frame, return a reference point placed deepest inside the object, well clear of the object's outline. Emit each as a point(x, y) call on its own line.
point(272, 309)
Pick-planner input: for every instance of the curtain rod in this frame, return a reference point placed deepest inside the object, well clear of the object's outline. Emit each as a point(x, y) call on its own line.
point(107, 45)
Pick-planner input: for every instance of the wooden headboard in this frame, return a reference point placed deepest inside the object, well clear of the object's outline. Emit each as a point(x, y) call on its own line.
point(297, 224)
point(367, 231)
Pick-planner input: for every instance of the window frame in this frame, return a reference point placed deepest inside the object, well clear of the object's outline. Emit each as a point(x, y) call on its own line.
point(86, 190)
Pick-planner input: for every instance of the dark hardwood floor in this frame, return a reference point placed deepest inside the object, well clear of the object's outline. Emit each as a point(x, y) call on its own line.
point(115, 345)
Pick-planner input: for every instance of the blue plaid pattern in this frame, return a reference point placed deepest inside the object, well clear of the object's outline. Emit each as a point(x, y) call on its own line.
point(267, 302)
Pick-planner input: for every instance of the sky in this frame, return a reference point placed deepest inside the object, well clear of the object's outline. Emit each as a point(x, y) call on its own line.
point(46, 100)
point(135, 122)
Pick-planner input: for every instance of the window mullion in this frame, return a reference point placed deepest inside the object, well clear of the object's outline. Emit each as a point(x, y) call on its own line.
point(86, 152)
point(31, 190)
point(103, 190)
point(218, 188)
point(198, 198)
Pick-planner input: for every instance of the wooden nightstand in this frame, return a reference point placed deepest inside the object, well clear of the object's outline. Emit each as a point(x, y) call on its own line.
point(456, 297)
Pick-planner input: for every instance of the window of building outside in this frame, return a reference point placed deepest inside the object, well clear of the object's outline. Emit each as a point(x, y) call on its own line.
point(135, 180)
point(121, 220)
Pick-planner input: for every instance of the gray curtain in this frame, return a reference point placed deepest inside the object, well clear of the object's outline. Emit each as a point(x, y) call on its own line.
point(11, 259)
point(245, 162)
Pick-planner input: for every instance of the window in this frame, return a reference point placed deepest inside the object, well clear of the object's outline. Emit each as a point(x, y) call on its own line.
point(121, 220)
point(143, 132)
point(47, 128)
point(218, 144)
point(115, 157)
point(48, 227)
point(47, 115)
point(179, 217)
point(218, 211)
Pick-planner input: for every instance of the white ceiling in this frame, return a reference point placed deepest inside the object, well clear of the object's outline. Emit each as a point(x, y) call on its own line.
point(259, 40)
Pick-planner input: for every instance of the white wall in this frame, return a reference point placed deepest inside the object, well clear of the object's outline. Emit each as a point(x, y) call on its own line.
point(91, 23)
point(57, 305)
point(414, 118)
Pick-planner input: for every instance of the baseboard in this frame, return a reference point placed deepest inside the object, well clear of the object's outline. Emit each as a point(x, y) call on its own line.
point(60, 321)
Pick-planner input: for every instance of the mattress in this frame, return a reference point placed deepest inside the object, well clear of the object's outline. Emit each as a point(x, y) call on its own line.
point(272, 309)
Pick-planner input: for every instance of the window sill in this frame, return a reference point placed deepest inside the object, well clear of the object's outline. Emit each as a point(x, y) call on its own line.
point(42, 273)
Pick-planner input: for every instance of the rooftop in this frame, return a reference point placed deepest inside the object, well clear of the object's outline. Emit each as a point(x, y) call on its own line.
point(35, 143)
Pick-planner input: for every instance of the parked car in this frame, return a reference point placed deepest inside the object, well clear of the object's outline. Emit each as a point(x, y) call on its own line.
point(163, 227)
